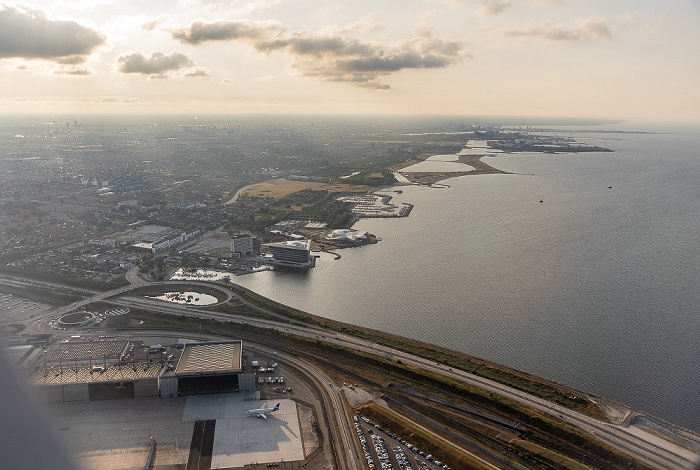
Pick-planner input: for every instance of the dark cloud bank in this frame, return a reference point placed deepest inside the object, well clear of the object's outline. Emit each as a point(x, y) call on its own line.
point(29, 34)
point(326, 56)
point(157, 65)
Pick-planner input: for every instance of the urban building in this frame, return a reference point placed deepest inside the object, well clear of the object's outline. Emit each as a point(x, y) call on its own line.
point(291, 254)
point(245, 245)
point(346, 237)
point(164, 243)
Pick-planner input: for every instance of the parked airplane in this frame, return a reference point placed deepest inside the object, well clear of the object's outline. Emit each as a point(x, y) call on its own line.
point(263, 410)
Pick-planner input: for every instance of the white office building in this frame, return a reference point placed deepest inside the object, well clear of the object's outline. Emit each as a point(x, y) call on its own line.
point(292, 254)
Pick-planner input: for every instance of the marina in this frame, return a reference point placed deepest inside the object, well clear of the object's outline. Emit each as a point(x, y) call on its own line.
point(376, 205)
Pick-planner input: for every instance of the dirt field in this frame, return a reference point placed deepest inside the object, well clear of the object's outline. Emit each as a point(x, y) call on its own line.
point(281, 187)
point(278, 188)
point(347, 188)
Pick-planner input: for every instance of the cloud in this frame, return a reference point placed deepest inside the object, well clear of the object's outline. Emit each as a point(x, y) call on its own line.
point(201, 32)
point(75, 71)
point(152, 25)
point(645, 19)
point(114, 100)
point(337, 59)
point(493, 7)
point(496, 7)
point(581, 30)
point(330, 56)
point(366, 24)
point(451, 2)
point(157, 65)
point(70, 60)
point(29, 34)
point(197, 73)
point(425, 24)
point(549, 2)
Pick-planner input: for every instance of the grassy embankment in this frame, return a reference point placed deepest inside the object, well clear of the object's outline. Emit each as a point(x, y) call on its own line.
point(43, 294)
point(501, 374)
point(271, 310)
point(430, 444)
point(232, 307)
point(66, 279)
point(339, 358)
point(158, 290)
point(16, 328)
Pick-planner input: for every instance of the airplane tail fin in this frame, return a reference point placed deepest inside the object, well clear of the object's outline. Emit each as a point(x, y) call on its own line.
point(277, 407)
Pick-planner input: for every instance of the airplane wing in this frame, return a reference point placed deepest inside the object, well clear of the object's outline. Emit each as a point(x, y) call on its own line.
point(262, 415)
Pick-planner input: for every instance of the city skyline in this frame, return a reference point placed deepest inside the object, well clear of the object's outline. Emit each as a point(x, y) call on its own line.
point(496, 57)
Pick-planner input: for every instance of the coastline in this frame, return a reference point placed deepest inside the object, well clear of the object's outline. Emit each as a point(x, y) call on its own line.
point(428, 178)
point(616, 413)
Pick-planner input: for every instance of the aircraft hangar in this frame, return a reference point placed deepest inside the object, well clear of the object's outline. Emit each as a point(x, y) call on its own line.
point(213, 367)
point(79, 371)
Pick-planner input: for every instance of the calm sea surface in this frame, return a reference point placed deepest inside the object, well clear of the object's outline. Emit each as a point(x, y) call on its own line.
point(596, 287)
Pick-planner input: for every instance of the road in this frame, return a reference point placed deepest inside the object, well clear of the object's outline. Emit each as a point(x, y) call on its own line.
point(645, 446)
point(342, 439)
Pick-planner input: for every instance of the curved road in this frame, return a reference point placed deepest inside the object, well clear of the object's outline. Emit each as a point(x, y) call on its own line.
point(634, 441)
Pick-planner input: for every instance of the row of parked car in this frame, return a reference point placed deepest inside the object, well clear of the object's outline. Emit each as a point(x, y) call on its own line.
point(402, 459)
point(384, 459)
point(363, 444)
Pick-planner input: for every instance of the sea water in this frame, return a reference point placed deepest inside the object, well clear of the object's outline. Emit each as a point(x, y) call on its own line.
point(549, 269)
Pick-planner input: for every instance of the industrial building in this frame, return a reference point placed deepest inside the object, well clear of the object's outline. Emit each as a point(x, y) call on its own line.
point(208, 368)
point(165, 243)
point(100, 370)
point(154, 238)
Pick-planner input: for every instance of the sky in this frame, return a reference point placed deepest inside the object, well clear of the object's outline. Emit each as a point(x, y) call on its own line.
point(587, 58)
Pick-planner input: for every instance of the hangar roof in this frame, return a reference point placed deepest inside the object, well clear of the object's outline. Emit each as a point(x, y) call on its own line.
point(210, 358)
point(88, 349)
point(66, 374)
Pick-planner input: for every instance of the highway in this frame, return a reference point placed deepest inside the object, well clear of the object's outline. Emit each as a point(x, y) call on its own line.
point(647, 447)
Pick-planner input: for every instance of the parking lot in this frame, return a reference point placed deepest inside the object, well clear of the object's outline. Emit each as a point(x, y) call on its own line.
point(384, 451)
point(16, 308)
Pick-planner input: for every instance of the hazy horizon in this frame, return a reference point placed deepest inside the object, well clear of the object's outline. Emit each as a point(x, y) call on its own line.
point(520, 58)
point(479, 120)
